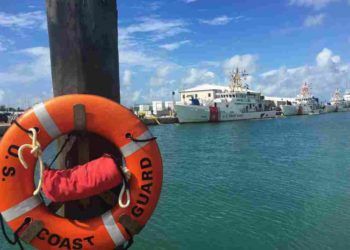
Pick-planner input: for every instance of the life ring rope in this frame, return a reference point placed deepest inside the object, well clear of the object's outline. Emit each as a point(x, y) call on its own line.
point(36, 152)
point(125, 190)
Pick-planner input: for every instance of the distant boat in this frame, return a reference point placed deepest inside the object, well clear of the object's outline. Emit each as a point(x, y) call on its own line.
point(338, 100)
point(305, 103)
point(236, 103)
point(347, 96)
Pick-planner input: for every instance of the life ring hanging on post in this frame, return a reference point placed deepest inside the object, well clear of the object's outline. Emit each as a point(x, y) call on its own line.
point(107, 119)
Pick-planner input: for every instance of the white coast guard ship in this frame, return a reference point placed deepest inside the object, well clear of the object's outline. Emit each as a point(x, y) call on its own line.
point(338, 100)
point(305, 104)
point(236, 103)
point(347, 96)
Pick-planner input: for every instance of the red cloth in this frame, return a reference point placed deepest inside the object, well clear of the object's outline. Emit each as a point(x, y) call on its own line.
point(82, 181)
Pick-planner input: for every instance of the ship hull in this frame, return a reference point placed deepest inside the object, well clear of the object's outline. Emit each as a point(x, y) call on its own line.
point(192, 114)
point(330, 108)
point(342, 109)
point(289, 110)
point(310, 110)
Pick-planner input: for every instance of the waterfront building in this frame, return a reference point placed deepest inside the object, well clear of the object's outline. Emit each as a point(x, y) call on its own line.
point(157, 106)
point(204, 93)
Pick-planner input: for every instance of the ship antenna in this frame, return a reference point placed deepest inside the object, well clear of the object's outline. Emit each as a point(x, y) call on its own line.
point(245, 75)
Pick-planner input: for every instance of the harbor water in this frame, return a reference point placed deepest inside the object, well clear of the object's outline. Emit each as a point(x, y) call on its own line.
point(258, 184)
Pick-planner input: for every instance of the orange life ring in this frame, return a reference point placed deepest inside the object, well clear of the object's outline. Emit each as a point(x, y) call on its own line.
point(54, 118)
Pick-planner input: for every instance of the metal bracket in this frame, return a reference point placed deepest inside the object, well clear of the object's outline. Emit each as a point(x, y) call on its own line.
point(30, 232)
point(83, 142)
point(79, 117)
point(132, 226)
point(80, 125)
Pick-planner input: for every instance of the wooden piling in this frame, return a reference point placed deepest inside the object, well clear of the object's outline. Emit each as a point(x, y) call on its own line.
point(84, 59)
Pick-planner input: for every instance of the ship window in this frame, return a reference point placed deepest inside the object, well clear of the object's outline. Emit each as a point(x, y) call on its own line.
point(183, 96)
point(209, 94)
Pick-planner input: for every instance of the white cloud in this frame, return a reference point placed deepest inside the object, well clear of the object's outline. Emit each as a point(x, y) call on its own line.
point(316, 4)
point(160, 78)
point(327, 75)
point(243, 62)
point(137, 58)
point(155, 5)
point(314, 20)
point(156, 27)
point(5, 43)
point(190, 1)
point(37, 68)
point(174, 46)
point(29, 20)
point(134, 48)
point(198, 76)
point(127, 77)
point(24, 81)
point(221, 20)
point(326, 58)
point(2, 46)
point(210, 63)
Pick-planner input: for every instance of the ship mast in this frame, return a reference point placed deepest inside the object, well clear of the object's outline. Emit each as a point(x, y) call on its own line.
point(237, 83)
point(305, 90)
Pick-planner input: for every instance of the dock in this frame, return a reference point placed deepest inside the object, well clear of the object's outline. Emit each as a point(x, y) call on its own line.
point(150, 121)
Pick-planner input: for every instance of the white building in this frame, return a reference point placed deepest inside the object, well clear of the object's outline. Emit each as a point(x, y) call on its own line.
point(204, 92)
point(157, 106)
point(144, 107)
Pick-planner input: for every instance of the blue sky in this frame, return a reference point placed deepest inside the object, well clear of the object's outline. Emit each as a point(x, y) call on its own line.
point(170, 45)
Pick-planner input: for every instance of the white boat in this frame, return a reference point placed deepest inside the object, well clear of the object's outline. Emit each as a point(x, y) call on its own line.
point(339, 101)
point(289, 109)
point(305, 104)
point(347, 96)
point(237, 103)
point(329, 108)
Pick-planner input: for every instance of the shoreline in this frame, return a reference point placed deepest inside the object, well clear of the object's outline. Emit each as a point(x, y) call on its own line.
point(146, 121)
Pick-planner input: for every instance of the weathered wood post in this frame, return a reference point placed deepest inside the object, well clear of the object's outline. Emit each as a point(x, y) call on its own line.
point(84, 59)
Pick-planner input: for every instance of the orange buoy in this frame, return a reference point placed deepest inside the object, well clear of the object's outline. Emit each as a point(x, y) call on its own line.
point(53, 119)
